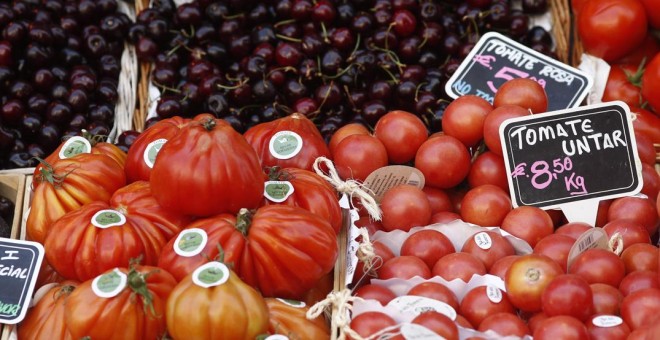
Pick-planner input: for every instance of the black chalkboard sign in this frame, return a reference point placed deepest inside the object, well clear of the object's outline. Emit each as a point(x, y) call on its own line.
point(572, 155)
point(20, 262)
point(496, 59)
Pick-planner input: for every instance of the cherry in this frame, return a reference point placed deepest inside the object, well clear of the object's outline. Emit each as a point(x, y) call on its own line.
point(404, 22)
point(324, 11)
point(287, 54)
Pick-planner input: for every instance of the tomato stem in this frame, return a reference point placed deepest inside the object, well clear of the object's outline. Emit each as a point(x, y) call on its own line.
point(209, 124)
point(276, 173)
point(243, 221)
point(138, 284)
point(533, 274)
point(47, 174)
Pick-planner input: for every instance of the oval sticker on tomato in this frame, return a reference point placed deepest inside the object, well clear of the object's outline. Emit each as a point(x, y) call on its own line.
point(190, 242)
point(108, 218)
point(292, 303)
point(152, 150)
point(278, 191)
point(285, 144)
point(210, 274)
point(75, 146)
point(109, 284)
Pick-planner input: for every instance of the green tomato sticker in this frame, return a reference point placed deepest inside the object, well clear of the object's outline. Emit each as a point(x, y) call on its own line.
point(110, 284)
point(210, 274)
point(152, 150)
point(190, 242)
point(292, 303)
point(74, 146)
point(108, 218)
point(285, 144)
point(278, 191)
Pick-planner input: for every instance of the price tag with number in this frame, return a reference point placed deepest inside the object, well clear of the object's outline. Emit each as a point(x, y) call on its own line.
point(570, 158)
point(496, 59)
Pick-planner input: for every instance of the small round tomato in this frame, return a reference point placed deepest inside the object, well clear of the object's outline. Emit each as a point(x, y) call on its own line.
point(647, 122)
point(638, 280)
point(630, 231)
point(459, 266)
point(369, 323)
point(482, 301)
point(383, 254)
point(435, 291)
point(651, 180)
point(444, 161)
point(375, 292)
point(561, 327)
point(488, 246)
point(439, 323)
point(528, 223)
point(606, 299)
point(535, 320)
point(607, 327)
point(464, 119)
point(599, 266)
point(357, 156)
point(485, 205)
point(501, 266)
point(345, 131)
point(527, 278)
point(438, 199)
point(445, 217)
point(651, 82)
point(640, 308)
point(488, 168)
point(573, 229)
point(523, 92)
point(429, 245)
point(568, 294)
point(645, 148)
point(404, 207)
point(493, 121)
point(505, 324)
point(556, 247)
point(640, 256)
point(404, 267)
point(623, 84)
point(402, 133)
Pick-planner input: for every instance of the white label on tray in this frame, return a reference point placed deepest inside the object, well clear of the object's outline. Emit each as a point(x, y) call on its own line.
point(606, 321)
point(75, 146)
point(190, 242)
point(285, 144)
point(412, 331)
point(108, 218)
point(494, 294)
point(483, 240)
point(278, 191)
point(152, 150)
point(210, 274)
point(109, 284)
point(416, 305)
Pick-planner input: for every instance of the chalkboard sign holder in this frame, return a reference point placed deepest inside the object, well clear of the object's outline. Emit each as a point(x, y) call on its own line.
point(20, 262)
point(571, 159)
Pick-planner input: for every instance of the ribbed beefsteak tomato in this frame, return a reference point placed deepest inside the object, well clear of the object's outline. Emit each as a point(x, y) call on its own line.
point(69, 183)
point(45, 321)
point(207, 168)
point(100, 236)
point(213, 303)
point(305, 189)
point(288, 142)
point(142, 154)
point(289, 317)
point(121, 304)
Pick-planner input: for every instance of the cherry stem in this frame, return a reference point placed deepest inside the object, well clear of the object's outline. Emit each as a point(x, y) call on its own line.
point(284, 37)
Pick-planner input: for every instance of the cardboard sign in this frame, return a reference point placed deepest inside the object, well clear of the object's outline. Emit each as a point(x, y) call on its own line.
point(20, 262)
point(571, 156)
point(496, 59)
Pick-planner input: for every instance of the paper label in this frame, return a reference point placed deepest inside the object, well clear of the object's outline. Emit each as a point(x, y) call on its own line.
point(74, 146)
point(108, 218)
point(606, 321)
point(494, 294)
point(278, 191)
point(277, 337)
point(483, 240)
point(590, 239)
point(109, 284)
point(285, 144)
point(190, 242)
point(352, 247)
point(387, 177)
point(210, 274)
point(152, 150)
point(412, 331)
point(292, 303)
point(416, 305)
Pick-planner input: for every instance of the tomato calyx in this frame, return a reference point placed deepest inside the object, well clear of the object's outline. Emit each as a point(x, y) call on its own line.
point(209, 123)
point(64, 291)
point(243, 220)
point(137, 282)
point(93, 139)
point(47, 174)
point(636, 78)
point(532, 274)
point(276, 173)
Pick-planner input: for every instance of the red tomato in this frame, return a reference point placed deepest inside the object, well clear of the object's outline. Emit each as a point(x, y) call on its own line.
point(488, 246)
point(631, 232)
point(488, 168)
point(501, 266)
point(482, 301)
point(607, 327)
point(375, 292)
point(404, 207)
point(439, 323)
point(444, 161)
point(438, 199)
point(561, 327)
point(463, 322)
point(505, 324)
point(643, 52)
point(556, 247)
point(485, 205)
point(435, 291)
point(464, 119)
point(383, 254)
point(638, 280)
point(343, 132)
point(429, 245)
point(651, 180)
point(527, 278)
point(369, 323)
point(528, 223)
point(603, 210)
point(186, 176)
point(599, 266)
point(357, 156)
point(445, 217)
point(636, 209)
point(523, 92)
point(264, 138)
point(606, 299)
point(610, 29)
point(653, 11)
point(402, 133)
point(404, 267)
point(142, 154)
point(651, 82)
point(568, 294)
point(647, 122)
point(640, 256)
point(640, 308)
point(459, 266)
point(573, 229)
point(45, 320)
point(645, 148)
point(371, 225)
point(623, 83)
point(535, 320)
point(493, 121)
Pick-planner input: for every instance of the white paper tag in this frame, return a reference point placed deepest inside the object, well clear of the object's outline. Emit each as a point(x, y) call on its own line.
point(494, 294)
point(483, 240)
point(590, 239)
point(416, 305)
point(390, 176)
point(606, 321)
point(412, 331)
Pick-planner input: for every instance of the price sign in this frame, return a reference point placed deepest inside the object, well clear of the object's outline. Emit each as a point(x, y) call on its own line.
point(496, 59)
point(20, 262)
point(575, 155)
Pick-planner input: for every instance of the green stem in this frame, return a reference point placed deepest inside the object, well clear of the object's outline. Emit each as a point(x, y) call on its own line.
point(209, 124)
point(243, 221)
point(137, 282)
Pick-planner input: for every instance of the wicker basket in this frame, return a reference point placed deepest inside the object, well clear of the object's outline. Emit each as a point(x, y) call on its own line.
point(564, 30)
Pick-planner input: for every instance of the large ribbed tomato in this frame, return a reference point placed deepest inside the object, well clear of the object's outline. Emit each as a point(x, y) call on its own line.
point(142, 154)
point(100, 236)
point(69, 183)
point(289, 142)
point(45, 321)
point(207, 168)
point(135, 312)
point(305, 189)
point(214, 304)
point(289, 317)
